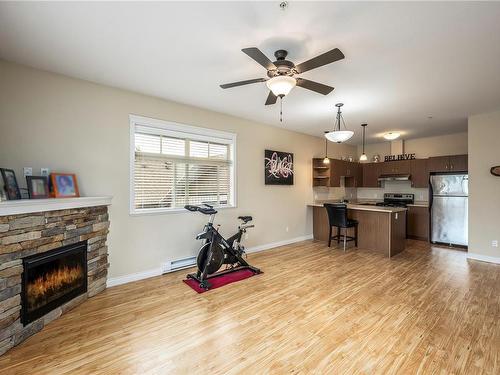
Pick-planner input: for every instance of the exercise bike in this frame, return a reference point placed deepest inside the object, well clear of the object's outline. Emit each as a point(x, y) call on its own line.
point(216, 250)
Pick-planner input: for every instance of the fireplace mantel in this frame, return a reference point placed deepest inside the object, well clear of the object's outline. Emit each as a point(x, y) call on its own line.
point(26, 206)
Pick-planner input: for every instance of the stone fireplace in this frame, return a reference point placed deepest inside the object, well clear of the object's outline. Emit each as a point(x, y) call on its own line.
point(53, 256)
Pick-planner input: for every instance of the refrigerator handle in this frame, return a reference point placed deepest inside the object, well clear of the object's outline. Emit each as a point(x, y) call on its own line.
point(431, 193)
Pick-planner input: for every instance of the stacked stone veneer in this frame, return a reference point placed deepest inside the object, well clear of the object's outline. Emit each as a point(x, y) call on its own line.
point(34, 233)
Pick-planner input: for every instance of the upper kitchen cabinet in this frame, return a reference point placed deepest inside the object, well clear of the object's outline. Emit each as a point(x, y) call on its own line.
point(459, 163)
point(331, 174)
point(371, 173)
point(321, 173)
point(354, 174)
point(396, 167)
point(453, 163)
point(419, 173)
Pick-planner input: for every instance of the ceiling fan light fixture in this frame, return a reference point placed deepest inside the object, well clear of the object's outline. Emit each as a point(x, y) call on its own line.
point(281, 85)
point(391, 136)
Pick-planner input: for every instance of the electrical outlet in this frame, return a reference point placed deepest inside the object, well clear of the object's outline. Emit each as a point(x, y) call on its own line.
point(44, 172)
point(286, 229)
point(27, 171)
point(494, 243)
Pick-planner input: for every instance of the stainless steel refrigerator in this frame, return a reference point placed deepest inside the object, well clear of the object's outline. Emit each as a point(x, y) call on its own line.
point(449, 207)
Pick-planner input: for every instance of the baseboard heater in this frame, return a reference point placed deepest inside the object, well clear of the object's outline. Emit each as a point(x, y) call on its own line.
point(178, 264)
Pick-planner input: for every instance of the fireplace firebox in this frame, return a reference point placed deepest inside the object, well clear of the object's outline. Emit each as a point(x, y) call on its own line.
point(51, 279)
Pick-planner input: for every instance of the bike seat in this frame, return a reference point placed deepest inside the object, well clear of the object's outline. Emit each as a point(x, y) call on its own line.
point(245, 219)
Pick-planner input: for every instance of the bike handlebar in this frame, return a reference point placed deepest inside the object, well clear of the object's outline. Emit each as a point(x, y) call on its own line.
point(207, 209)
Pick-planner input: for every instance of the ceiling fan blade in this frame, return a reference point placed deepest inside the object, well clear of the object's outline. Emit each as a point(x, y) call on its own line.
point(241, 83)
point(258, 56)
point(271, 98)
point(324, 59)
point(314, 86)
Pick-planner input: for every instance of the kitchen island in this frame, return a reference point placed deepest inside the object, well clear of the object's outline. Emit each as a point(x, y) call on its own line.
point(381, 229)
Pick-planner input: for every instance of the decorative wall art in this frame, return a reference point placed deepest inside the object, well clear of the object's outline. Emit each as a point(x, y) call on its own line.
point(278, 168)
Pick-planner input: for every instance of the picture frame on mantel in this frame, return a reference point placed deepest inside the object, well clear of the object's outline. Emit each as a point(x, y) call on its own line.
point(64, 185)
point(38, 187)
point(10, 186)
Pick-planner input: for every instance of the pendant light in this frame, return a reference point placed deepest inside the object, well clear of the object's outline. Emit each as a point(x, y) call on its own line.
point(363, 155)
point(337, 135)
point(326, 160)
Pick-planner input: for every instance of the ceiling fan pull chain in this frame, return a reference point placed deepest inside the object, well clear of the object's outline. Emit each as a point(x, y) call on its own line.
point(281, 109)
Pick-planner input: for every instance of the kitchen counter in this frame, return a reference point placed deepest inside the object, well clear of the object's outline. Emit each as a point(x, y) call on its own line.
point(364, 207)
point(381, 229)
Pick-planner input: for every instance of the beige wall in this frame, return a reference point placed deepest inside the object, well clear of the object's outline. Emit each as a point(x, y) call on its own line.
point(450, 144)
point(71, 125)
point(484, 188)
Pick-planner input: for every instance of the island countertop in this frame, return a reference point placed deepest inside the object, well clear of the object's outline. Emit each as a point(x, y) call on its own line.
point(381, 229)
point(363, 207)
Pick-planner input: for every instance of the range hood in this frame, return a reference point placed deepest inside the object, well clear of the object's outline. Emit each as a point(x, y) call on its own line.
point(394, 177)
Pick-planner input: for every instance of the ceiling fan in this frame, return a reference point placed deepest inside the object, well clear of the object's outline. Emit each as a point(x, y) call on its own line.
point(281, 73)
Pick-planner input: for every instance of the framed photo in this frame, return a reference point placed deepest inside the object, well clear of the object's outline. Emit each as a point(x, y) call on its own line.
point(11, 187)
point(278, 168)
point(64, 185)
point(38, 187)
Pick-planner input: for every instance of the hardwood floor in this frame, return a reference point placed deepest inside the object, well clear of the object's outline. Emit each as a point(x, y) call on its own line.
point(313, 310)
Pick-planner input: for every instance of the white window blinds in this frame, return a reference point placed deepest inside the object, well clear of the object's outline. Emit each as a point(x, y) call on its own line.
point(172, 169)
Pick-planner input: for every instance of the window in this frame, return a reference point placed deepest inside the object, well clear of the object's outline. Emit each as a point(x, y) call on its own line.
point(173, 165)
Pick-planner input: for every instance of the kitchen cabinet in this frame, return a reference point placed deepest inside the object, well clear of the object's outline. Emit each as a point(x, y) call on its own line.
point(321, 173)
point(459, 163)
point(396, 167)
point(353, 174)
point(331, 174)
point(418, 223)
point(371, 173)
point(419, 173)
point(452, 163)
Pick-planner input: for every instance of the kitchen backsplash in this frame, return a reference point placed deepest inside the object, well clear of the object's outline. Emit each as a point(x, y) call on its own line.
point(393, 187)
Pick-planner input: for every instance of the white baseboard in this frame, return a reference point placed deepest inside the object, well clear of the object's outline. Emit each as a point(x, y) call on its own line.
point(483, 258)
point(255, 249)
point(114, 281)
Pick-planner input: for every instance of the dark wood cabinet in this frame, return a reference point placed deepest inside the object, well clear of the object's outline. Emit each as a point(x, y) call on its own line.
point(418, 223)
point(354, 175)
point(453, 163)
point(459, 163)
point(396, 167)
point(321, 173)
point(371, 173)
point(337, 170)
point(419, 173)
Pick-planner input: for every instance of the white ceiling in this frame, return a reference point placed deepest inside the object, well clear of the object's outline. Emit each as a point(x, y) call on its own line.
point(404, 61)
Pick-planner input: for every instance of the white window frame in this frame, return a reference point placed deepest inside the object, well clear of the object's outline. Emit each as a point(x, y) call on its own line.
point(180, 131)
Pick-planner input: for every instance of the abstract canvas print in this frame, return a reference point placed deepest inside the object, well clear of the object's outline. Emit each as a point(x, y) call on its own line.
point(278, 167)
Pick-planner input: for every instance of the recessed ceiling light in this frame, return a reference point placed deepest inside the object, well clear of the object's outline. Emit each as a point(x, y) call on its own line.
point(391, 136)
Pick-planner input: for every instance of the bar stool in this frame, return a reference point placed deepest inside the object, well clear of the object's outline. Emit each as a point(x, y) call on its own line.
point(337, 217)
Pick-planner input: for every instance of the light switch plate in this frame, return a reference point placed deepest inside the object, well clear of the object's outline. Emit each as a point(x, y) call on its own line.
point(494, 243)
point(44, 172)
point(28, 171)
